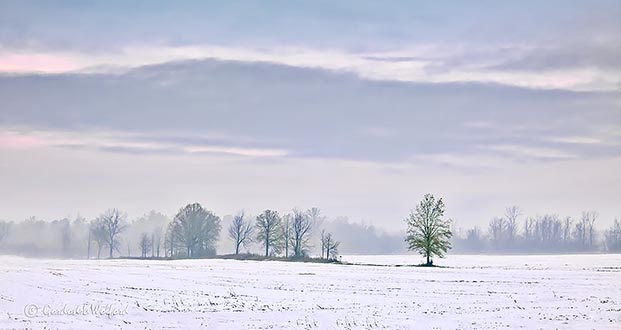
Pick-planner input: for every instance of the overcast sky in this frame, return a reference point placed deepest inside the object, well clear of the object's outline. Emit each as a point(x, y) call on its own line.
point(355, 107)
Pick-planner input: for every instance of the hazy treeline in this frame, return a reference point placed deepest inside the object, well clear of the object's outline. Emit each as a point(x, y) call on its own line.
point(516, 233)
point(194, 232)
point(197, 232)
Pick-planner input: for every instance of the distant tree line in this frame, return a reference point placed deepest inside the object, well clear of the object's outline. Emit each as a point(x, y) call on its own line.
point(193, 232)
point(514, 232)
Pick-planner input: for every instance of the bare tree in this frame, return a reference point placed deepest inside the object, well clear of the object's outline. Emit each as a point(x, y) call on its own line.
point(4, 230)
point(286, 233)
point(588, 219)
point(511, 215)
point(329, 246)
point(496, 231)
point(301, 226)
point(197, 229)
point(567, 229)
point(474, 239)
point(66, 236)
point(169, 241)
point(528, 229)
point(152, 248)
point(113, 222)
point(580, 234)
point(612, 237)
point(427, 232)
point(98, 235)
point(584, 231)
point(88, 243)
point(157, 241)
point(323, 242)
point(240, 231)
point(145, 245)
point(315, 216)
point(269, 229)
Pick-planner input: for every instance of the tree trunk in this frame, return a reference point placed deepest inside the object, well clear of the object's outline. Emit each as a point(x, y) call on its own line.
point(111, 245)
point(88, 249)
point(428, 261)
point(267, 247)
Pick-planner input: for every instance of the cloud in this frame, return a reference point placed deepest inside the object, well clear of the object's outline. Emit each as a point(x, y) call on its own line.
point(424, 63)
point(558, 57)
point(577, 140)
point(263, 109)
point(119, 142)
point(526, 152)
point(526, 44)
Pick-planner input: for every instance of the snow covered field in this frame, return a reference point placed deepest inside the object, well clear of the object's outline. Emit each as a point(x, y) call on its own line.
point(475, 292)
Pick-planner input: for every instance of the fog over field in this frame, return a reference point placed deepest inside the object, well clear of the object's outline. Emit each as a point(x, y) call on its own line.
point(310, 164)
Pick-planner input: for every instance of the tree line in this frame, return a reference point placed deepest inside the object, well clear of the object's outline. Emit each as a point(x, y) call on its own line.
point(193, 232)
point(515, 232)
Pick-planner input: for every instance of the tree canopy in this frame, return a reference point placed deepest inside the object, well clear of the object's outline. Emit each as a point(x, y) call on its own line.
point(428, 233)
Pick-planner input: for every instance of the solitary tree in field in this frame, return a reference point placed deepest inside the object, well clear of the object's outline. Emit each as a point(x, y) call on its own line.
point(269, 230)
point(240, 232)
point(428, 233)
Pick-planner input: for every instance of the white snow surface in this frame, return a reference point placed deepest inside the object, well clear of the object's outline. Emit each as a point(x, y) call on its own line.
point(471, 292)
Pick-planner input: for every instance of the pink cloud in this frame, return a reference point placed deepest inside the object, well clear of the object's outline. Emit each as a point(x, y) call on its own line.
point(36, 63)
point(12, 140)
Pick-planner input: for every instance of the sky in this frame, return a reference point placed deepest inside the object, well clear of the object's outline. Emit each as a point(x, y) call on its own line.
point(356, 107)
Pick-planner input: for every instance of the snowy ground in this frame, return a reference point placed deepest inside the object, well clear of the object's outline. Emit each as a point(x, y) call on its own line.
point(475, 292)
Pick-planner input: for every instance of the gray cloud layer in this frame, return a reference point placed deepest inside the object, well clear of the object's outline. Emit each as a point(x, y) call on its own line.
point(315, 113)
point(571, 33)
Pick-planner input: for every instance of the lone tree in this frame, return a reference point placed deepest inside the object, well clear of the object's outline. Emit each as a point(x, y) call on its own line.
point(269, 230)
point(240, 232)
point(427, 232)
